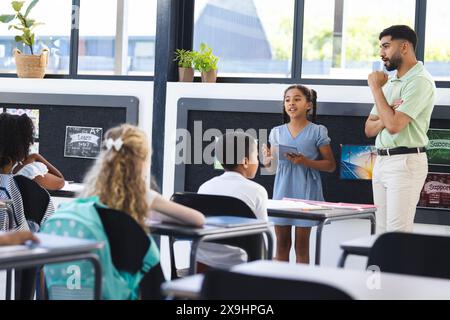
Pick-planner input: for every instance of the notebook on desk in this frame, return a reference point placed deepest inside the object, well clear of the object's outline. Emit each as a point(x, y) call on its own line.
point(294, 205)
point(230, 221)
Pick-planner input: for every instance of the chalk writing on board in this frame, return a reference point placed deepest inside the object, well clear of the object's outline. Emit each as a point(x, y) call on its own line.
point(82, 142)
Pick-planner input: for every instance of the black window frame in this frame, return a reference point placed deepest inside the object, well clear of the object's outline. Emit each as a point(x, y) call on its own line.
point(184, 39)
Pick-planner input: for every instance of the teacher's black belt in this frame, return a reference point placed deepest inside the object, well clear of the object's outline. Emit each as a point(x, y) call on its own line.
point(400, 150)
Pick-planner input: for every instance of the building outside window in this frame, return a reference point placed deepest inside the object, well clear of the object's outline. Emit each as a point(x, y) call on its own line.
point(252, 38)
point(340, 37)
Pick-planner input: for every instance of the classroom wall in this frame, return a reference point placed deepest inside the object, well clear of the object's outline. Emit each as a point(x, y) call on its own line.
point(143, 90)
point(333, 234)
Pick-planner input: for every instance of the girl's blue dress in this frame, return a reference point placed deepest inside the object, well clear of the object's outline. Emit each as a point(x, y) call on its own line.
point(296, 181)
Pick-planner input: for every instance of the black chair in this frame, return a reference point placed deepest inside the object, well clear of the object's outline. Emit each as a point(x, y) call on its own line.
point(129, 244)
point(227, 285)
point(35, 201)
point(216, 205)
point(412, 254)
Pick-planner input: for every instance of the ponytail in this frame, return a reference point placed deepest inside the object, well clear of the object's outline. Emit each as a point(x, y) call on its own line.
point(313, 100)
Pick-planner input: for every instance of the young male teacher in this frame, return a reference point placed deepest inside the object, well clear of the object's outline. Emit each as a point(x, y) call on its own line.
point(400, 120)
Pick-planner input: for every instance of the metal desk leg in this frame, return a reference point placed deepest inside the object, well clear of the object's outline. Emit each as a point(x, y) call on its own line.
point(318, 243)
point(269, 245)
point(342, 259)
point(98, 276)
point(173, 267)
point(372, 223)
point(192, 260)
point(8, 284)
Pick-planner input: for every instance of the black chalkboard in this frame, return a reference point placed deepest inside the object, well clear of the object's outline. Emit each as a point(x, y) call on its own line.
point(57, 112)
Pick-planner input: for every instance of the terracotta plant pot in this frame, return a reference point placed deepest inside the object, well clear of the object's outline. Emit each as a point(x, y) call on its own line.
point(31, 66)
point(210, 76)
point(186, 74)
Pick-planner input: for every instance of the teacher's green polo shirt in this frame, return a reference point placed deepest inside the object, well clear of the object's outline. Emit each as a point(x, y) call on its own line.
point(418, 91)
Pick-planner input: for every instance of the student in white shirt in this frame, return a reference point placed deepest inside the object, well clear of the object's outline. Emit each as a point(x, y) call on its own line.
point(238, 154)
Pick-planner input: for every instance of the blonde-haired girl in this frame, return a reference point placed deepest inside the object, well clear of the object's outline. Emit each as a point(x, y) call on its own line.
point(118, 178)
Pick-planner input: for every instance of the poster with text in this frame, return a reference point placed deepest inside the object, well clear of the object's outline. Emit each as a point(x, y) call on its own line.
point(436, 191)
point(438, 149)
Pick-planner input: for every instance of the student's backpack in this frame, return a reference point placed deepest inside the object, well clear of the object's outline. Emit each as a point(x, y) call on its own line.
point(80, 219)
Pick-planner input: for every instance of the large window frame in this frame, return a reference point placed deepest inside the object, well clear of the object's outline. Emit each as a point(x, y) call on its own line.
point(183, 38)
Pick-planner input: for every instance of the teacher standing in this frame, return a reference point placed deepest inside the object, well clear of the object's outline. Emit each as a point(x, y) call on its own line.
point(400, 120)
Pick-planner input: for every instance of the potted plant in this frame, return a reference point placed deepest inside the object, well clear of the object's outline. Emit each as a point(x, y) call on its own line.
point(185, 70)
point(206, 63)
point(28, 66)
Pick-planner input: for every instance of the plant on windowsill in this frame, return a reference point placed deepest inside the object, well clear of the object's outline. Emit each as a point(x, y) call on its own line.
point(185, 70)
point(28, 66)
point(206, 63)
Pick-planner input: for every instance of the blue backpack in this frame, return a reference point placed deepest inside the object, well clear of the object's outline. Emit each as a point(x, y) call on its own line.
point(79, 219)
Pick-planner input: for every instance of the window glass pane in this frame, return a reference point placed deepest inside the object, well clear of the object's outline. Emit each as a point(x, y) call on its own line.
point(98, 36)
point(437, 39)
point(53, 34)
point(252, 38)
point(340, 37)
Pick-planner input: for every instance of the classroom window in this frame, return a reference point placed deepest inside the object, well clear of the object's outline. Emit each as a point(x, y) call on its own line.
point(117, 42)
point(252, 38)
point(54, 34)
point(437, 39)
point(340, 38)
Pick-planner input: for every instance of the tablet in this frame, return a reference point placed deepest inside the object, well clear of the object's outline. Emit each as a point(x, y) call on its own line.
point(283, 149)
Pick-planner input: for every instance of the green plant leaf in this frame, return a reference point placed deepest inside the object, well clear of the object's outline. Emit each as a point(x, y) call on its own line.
point(18, 38)
point(6, 18)
point(31, 6)
point(17, 5)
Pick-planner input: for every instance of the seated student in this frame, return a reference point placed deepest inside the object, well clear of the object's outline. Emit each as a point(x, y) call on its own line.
point(119, 175)
point(16, 137)
point(238, 154)
point(16, 238)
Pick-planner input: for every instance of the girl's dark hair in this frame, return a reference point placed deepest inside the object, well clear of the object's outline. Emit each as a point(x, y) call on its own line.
point(16, 137)
point(311, 96)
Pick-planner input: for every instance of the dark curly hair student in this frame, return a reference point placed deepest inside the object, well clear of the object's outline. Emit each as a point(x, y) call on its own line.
point(16, 138)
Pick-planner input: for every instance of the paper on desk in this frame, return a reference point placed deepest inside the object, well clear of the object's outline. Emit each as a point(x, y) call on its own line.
point(73, 187)
point(290, 204)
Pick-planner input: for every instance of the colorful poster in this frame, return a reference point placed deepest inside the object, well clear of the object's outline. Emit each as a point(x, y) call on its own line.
point(357, 162)
point(438, 149)
point(32, 113)
point(436, 191)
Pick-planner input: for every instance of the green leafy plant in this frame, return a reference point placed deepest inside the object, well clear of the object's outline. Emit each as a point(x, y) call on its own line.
point(21, 22)
point(204, 60)
point(184, 58)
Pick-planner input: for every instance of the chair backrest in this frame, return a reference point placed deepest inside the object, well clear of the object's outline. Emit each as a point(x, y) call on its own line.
point(128, 245)
point(34, 198)
point(217, 205)
point(214, 205)
point(412, 254)
point(124, 234)
point(227, 285)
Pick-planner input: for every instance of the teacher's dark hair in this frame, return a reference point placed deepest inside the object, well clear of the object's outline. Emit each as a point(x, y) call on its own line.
point(400, 32)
